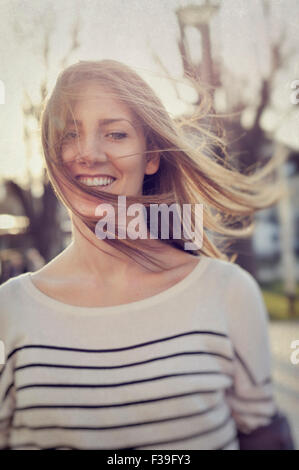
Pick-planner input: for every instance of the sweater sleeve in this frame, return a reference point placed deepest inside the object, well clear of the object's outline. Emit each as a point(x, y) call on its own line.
point(6, 379)
point(6, 409)
point(251, 397)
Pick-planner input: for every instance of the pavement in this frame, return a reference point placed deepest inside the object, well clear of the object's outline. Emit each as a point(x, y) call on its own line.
point(285, 374)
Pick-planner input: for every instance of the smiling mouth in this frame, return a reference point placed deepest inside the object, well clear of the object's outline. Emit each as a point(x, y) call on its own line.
point(97, 181)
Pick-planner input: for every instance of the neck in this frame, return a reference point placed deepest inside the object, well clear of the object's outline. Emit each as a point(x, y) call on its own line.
point(92, 256)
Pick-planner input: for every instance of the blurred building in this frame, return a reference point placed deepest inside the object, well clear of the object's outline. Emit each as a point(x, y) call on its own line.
point(17, 251)
point(267, 237)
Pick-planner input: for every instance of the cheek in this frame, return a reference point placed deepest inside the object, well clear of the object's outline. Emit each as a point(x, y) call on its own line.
point(133, 167)
point(67, 155)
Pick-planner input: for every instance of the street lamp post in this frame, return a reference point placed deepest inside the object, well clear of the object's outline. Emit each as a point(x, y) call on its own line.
point(200, 16)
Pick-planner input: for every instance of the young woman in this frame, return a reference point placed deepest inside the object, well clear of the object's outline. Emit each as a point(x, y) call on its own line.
point(124, 343)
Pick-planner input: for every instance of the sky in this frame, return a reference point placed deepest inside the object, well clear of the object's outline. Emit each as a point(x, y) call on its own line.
point(133, 31)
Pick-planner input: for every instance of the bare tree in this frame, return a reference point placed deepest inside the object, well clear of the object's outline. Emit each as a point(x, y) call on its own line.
point(246, 144)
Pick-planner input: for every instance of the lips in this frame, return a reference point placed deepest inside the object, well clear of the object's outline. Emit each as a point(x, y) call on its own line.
point(97, 175)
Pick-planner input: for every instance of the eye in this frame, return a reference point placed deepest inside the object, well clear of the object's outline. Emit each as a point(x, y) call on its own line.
point(117, 135)
point(70, 135)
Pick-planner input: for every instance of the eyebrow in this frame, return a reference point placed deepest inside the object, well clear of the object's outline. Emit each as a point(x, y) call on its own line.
point(100, 121)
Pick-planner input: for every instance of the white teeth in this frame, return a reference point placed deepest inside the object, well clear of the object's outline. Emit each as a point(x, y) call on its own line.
point(98, 181)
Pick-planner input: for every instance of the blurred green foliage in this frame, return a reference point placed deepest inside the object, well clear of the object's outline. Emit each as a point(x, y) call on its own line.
point(277, 302)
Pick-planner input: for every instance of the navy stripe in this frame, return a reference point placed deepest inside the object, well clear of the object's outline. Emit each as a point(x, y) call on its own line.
point(160, 358)
point(112, 385)
point(180, 439)
point(249, 374)
point(9, 388)
point(118, 384)
point(125, 348)
point(118, 426)
point(113, 405)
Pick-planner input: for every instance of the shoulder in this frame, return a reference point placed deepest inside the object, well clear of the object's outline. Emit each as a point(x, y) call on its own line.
point(11, 289)
point(233, 272)
point(8, 286)
point(218, 278)
point(227, 273)
point(236, 286)
point(242, 286)
point(242, 298)
point(14, 300)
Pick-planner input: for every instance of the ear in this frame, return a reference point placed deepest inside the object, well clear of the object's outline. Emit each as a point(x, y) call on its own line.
point(152, 163)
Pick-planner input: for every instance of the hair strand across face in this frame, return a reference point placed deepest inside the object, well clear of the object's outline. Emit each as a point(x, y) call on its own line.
point(191, 169)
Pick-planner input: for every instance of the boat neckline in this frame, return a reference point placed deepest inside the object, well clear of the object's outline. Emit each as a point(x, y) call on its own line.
point(135, 305)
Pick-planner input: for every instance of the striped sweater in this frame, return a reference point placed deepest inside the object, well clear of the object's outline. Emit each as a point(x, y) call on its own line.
point(184, 369)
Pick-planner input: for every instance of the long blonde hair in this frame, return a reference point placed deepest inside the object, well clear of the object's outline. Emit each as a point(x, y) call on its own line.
point(190, 170)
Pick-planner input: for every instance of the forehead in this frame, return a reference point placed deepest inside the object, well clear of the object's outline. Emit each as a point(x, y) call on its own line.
point(100, 101)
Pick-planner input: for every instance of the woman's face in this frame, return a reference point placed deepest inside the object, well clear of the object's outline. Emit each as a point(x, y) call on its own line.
point(105, 148)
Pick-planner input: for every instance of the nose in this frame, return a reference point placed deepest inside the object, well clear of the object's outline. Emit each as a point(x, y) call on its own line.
point(92, 149)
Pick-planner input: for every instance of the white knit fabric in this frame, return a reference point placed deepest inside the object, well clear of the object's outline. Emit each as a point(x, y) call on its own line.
point(183, 369)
